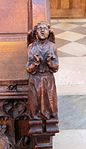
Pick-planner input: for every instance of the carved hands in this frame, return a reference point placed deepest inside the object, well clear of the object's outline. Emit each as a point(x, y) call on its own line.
point(52, 63)
point(49, 57)
point(36, 59)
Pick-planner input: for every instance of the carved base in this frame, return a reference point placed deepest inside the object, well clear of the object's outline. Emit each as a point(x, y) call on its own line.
point(16, 127)
point(41, 133)
point(52, 126)
point(41, 141)
point(35, 127)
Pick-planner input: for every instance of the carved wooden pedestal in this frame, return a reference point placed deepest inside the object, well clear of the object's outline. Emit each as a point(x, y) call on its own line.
point(15, 120)
point(15, 124)
point(41, 133)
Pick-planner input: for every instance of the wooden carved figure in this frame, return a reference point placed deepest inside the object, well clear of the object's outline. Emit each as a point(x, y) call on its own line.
point(42, 63)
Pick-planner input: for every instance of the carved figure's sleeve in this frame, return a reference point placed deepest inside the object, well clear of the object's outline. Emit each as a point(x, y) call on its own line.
point(31, 65)
point(53, 64)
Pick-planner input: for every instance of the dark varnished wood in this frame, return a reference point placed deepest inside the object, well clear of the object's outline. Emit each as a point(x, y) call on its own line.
point(18, 127)
point(42, 63)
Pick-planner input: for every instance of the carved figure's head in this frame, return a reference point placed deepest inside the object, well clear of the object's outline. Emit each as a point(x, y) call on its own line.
point(41, 31)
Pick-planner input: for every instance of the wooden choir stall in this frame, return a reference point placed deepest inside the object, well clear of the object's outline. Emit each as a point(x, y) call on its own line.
point(17, 129)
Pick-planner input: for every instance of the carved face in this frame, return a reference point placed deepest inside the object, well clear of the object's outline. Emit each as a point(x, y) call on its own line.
point(42, 31)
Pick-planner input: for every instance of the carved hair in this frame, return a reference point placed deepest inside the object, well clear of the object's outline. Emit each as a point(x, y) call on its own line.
point(31, 37)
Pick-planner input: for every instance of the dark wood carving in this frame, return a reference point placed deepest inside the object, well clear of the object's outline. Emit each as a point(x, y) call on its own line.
point(42, 63)
point(42, 97)
point(17, 127)
point(14, 113)
point(28, 100)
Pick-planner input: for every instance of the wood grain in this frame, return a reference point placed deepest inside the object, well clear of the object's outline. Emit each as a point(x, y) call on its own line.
point(68, 8)
point(13, 16)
